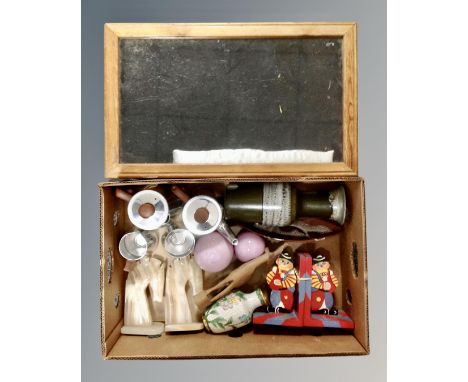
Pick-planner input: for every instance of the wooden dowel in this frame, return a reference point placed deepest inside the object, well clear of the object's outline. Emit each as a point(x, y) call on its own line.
point(182, 195)
point(123, 195)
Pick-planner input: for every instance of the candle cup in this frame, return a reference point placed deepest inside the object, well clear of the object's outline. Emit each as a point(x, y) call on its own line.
point(179, 242)
point(203, 215)
point(135, 245)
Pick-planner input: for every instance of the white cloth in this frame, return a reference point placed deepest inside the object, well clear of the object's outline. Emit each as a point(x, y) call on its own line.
point(229, 156)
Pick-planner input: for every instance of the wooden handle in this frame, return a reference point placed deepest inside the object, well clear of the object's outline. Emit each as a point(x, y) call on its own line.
point(121, 194)
point(129, 265)
point(182, 195)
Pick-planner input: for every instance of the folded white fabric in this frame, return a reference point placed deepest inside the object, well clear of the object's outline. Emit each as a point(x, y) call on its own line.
point(228, 156)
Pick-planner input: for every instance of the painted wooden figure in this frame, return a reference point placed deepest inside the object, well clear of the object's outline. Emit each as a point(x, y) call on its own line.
point(324, 283)
point(282, 281)
point(302, 314)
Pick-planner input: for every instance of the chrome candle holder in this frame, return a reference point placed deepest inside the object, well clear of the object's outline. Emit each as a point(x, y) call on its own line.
point(203, 215)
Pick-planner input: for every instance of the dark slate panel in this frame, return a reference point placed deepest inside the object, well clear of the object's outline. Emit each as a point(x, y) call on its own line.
point(271, 94)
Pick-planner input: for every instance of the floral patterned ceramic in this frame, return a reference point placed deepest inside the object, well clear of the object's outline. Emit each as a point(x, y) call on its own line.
point(232, 311)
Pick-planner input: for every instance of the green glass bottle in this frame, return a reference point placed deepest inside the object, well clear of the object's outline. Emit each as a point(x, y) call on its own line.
point(279, 204)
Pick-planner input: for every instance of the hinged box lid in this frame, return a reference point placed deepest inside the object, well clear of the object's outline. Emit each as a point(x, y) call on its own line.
point(267, 86)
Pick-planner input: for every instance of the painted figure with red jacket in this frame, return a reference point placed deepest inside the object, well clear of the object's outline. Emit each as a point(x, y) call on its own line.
point(282, 281)
point(324, 283)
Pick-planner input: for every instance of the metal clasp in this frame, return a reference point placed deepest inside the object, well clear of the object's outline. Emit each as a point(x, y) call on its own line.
point(109, 265)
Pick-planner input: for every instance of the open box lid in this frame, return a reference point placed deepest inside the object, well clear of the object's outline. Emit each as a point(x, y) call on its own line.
point(264, 86)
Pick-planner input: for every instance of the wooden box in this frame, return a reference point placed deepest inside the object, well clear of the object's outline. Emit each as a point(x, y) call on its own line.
point(209, 86)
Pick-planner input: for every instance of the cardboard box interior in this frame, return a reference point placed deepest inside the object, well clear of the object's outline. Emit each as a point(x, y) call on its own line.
point(348, 258)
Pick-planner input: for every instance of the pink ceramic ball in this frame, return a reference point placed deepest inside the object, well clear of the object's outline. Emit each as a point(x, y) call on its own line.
point(249, 247)
point(213, 253)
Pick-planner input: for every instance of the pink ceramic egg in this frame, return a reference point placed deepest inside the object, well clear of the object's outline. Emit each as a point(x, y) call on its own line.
point(213, 252)
point(249, 247)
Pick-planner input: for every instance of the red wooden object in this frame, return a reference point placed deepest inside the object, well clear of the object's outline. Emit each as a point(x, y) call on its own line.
point(302, 315)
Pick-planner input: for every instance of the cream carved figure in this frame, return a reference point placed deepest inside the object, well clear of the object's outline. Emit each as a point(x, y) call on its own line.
point(138, 318)
point(184, 279)
point(171, 284)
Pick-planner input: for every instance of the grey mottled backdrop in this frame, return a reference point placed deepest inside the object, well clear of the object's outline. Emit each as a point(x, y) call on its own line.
point(371, 18)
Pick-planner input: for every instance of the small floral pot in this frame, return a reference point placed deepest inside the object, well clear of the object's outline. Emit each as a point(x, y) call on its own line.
point(233, 311)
